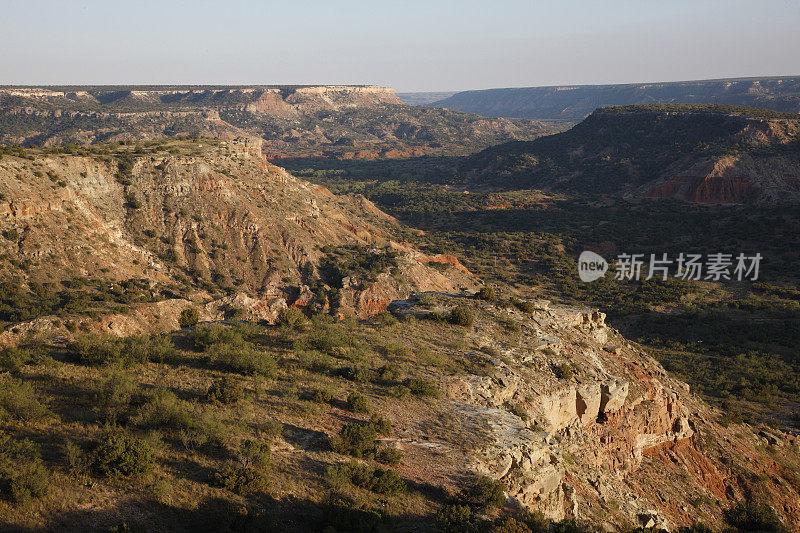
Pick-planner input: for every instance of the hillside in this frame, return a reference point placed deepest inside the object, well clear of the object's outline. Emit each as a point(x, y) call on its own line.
point(121, 238)
point(339, 378)
point(424, 98)
point(329, 121)
point(516, 412)
point(697, 153)
point(574, 102)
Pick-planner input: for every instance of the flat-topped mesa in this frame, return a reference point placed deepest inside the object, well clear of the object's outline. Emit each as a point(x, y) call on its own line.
point(331, 95)
point(346, 94)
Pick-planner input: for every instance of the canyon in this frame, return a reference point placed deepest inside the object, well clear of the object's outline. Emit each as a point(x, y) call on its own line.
point(575, 102)
point(364, 122)
point(696, 153)
point(575, 421)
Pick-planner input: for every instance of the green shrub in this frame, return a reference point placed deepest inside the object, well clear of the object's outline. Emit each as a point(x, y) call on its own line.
point(356, 439)
point(13, 358)
point(189, 317)
point(121, 455)
point(454, 518)
point(422, 387)
point(517, 409)
point(534, 520)
point(18, 400)
point(321, 396)
point(132, 201)
point(487, 293)
point(97, 350)
point(241, 357)
point(163, 409)
point(381, 425)
point(11, 234)
point(76, 458)
point(509, 525)
point(331, 339)
point(524, 305)
point(374, 479)
point(752, 516)
point(204, 336)
point(343, 514)
point(22, 474)
point(360, 374)
point(397, 349)
point(385, 319)
point(157, 348)
point(253, 454)
point(227, 390)
point(388, 456)
point(564, 371)
point(27, 481)
point(292, 320)
point(484, 492)
point(114, 397)
point(357, 403)
point(241, 480)
point(389, 374)
point(461, 316)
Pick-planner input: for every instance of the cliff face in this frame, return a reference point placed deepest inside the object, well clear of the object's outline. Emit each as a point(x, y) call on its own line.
point(574, 102)
point(329, 96)
point(214, 211)
point(325, 120)
point(614, 439)
point(707, 154)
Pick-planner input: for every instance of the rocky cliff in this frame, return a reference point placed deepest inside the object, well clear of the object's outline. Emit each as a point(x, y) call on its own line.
point(324, 120)
point(201, 222)
point(708, 154)
point(574, 102)
point(579, 423)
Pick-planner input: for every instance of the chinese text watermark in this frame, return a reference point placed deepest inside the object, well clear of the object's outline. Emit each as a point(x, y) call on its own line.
point(708, 267)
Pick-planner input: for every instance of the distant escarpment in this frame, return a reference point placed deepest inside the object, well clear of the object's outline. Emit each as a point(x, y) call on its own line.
point(696, 153)
point(318, 121)
point(120, 241)
point(574, 102)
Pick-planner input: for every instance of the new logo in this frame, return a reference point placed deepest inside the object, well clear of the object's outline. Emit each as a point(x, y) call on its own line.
point(591, 266)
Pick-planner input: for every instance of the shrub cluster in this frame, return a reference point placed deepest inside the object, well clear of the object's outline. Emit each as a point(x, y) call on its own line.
point(357, 403)
point(246, 475)
point(189, 317)
point(366, 476)
point(18, 400)
point(487, 293)
point(122, 455)
point(358, 438)
point(227, 390)
point(97, 350)
point(241, 479)
point(23, 476)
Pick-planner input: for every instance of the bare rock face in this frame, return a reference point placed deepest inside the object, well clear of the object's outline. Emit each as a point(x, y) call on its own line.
point(216, 210)
point(348, 121)
point(617, 438)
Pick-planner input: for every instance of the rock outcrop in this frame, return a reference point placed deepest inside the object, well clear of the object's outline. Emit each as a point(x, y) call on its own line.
point(347, 121)
point(615, 440)
point(249, 234)
point(696, 153)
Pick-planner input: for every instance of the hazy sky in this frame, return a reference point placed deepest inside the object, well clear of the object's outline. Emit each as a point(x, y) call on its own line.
point(410, 45)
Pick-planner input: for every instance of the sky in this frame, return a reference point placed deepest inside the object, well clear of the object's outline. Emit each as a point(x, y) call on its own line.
point(434, 45)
